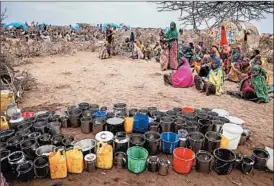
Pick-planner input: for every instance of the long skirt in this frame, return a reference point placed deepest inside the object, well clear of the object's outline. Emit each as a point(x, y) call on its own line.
point(164, 59)
point(173, 56)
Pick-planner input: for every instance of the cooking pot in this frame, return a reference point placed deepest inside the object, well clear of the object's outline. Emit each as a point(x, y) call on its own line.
point(87, 146)
point(115, 124)
point(105, 136)
point(121, 140)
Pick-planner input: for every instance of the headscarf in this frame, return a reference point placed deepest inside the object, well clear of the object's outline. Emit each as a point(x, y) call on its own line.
point(132, 37)
point(218, 61)
point(259, 83)
point(172, 34)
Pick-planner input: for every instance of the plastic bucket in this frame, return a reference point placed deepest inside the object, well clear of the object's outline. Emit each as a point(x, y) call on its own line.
point(166, 123)
point(27, 114)
point(212, 141)
point(183, 159)
point(137, 158)
point(152, 144)
point(170, 141)
point(260, 157)
point(140, 123)
point(224, 161)
point(196, 140)
point(233, 133)
point(187, 109)
point(205, 125)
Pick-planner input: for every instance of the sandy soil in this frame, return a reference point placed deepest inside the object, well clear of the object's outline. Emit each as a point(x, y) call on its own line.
point(64, 80)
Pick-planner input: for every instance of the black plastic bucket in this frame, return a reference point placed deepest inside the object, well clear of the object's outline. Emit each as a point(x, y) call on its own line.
point(13, 144)
point(224, 161)
point(6, 134)
point(34, 135)
point(44, 139)
point(143, 111)
point(5, 166)
point(205, 125)
point(195, 141)
point(40, 126)
point(247, 165)
point(212, 141)
point(179, 123)
point(191, 126)
point(25, 171)
point(23, 133)
point(137, 140)
point(41, 167)
point(83, 106)
point(68, 142)
point(151, 110)
point(260, 157)
point(166, 124)
point(154, 126)
point(25, 126)
point(15, 159)
point(29, 147)
point(57, 139)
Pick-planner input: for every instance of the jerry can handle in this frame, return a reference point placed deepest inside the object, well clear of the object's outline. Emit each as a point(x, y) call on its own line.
point(3, 119)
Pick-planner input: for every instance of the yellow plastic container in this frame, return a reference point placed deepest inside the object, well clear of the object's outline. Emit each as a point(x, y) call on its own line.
point(104, 156)
point(75, 160)
point(58, 164)
point(4, 124)
point(7, 97)
point(128, 125)
point(224, 142)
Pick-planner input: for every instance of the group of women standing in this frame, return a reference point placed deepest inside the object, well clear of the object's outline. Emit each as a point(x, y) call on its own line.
point(213, 68)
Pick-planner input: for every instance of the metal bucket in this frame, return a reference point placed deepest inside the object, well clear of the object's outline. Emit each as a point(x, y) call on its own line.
point(86, 125)
point(87, 146)
point(195, 140)
point(41, 167)
point(166, 124)
point(191, 126)
point(121, 142)
point(163, 166)
point(238, 161)
point(57, 139)
point(122, 107)
point(83, 106)
point(132, 112)
point(154, 126)
point(137, 140)
point(247, 165)
point(153, 141)
point(64, 122)
point(205, 125)
point(182, 137)
point(179, 123)
point(74, 117)
point(260, 157)
point(90, 162)
point(98, 125)
point(54, 128)
point(212, 141)
point(45, 150)
point(153, 164)
point(217, 125)
point(120, 160)
point(204, 161)
point(171, 114)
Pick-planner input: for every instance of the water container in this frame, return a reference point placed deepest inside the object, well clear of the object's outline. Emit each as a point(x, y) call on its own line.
point(4, 124)
point(104, 156)
point(128, 125)
point(7, 97)
point(141, 123)
point(233, 133)
point(183, 159)
point(204, 161)
point(75, 161)
point(58, 164)
point(170, 141)
point(137, 158)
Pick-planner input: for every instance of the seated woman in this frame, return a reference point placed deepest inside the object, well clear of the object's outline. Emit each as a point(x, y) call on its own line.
point(147, 51)
point(204, 67)
point(136, 52)
point(258, 61)
point(103, 51)
point(254, 87)
point(213, 84)
point(239, 71)
point(182, 78)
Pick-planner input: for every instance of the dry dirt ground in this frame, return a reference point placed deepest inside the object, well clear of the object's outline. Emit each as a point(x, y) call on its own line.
point(64, 80)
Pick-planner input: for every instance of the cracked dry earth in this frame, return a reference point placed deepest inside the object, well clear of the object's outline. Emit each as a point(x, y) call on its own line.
point(64, 80)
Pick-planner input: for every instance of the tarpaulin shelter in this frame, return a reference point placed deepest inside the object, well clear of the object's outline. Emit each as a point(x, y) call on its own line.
point(75, 27)
point(19, 25)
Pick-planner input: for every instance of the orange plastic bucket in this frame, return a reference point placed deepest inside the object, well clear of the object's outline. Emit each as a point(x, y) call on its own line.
point(27, 114)
point(183, 159)
point(187, 109)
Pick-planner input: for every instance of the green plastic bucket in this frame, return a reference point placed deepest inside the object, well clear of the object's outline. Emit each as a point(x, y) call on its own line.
point(137, 158)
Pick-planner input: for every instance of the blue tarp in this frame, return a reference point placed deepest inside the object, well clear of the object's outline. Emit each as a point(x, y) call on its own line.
point(75, 27)
point(18, 25)
point(118, 27)
point(42, 26)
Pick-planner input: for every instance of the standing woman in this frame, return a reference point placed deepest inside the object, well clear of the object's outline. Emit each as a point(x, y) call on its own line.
point(169, 58)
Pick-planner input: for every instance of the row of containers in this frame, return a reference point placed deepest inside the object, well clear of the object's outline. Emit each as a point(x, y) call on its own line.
point(35, 147)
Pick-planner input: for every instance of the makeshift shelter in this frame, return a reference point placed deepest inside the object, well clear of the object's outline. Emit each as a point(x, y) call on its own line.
point(18, 25)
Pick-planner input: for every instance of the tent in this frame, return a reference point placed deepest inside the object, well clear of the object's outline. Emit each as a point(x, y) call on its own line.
point(75, 27)
point(18, 25)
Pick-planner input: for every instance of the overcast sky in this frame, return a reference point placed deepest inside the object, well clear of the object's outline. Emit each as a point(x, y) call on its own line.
point(135, 14)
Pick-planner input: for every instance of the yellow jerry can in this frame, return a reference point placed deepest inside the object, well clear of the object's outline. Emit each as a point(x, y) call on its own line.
point(58, 164)
point(104, 156)
point(4, 124)
point(75, 160)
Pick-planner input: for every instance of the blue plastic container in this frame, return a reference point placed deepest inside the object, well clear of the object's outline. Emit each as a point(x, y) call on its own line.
point(170, 141)
point(140, 123)
point(100, 114)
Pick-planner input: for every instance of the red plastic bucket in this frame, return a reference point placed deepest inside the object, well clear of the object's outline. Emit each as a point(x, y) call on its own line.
point(188, 110)
point(183, 159)
point(27, 114)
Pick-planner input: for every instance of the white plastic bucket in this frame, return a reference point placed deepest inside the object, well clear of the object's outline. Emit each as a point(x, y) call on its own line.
point(233, 133)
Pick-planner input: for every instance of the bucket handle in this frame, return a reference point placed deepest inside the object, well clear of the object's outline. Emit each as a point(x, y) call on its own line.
point(251, 168)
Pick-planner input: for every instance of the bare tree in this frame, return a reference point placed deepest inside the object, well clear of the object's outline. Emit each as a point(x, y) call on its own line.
point(3, 15)
point(211, 13)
